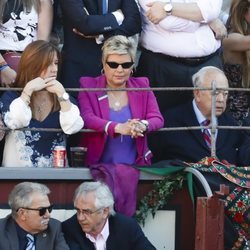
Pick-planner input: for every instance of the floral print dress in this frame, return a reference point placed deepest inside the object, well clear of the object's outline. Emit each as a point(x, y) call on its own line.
point(34, 148)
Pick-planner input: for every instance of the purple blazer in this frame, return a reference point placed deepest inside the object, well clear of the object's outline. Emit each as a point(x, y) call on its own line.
point(94, 108)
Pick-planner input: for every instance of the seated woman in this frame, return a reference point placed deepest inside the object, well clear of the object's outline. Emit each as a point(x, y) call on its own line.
point(120, 118)
point(43, 103)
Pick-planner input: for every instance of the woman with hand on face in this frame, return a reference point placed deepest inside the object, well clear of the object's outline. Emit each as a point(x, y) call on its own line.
point(43, 103)
point(120, 118)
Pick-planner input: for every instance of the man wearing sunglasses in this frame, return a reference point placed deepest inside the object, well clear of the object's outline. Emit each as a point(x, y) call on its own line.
point(96, 226)
point(29, 226)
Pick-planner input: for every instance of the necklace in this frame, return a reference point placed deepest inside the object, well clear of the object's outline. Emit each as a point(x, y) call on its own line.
point(42, 105)
point(117, 102)
point(40, 108)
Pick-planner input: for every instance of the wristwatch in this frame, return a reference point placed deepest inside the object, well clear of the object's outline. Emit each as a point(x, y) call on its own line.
point(64, 97)
point(145, 123)
point(168, 7)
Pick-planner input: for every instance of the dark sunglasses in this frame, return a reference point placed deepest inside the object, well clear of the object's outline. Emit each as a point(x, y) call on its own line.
point(42, 211)
point(115, 65)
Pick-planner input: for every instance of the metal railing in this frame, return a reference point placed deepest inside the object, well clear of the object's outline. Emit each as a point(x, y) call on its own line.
point(213, 125)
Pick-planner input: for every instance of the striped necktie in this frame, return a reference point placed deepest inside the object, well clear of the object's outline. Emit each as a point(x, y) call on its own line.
point(31, 242)
point(206, 134)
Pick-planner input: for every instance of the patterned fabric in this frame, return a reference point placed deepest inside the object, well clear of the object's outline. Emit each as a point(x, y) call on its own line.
point(31, 242)
point(2, 131)
point(240, 176)
point(238, 101)
point(206, 134)
point(19, 28)
point(237, 207)
point(31, 148)
point(237, 203)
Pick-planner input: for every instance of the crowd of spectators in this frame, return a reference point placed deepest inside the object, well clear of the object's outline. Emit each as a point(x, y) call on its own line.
point(181, 44)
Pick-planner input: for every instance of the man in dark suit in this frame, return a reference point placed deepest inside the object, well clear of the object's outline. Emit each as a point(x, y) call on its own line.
point(97, 226)
point(29, 226)
point(190, 145)
point(92, 22)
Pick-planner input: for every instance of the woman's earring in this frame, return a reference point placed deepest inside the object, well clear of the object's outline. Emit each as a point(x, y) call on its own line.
point(132, 72)
point(102, 71)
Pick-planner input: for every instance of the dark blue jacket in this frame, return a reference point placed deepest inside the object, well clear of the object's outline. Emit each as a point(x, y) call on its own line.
point(124, 234)
point(189, 145)
point(82, 56)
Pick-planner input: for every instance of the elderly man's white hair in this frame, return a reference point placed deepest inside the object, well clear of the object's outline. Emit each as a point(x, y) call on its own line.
point(198, 77)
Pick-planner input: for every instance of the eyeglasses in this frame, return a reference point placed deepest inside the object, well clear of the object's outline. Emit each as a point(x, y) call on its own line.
point(87, 212)
point(42, 210)
point(221, 92)
point(115, 65)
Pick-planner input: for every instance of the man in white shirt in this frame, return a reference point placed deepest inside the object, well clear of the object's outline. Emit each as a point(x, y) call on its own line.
point(177, 40)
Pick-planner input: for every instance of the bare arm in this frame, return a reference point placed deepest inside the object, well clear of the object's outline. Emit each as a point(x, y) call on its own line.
point(45, 19)
point(7, 75)
point(236, 42)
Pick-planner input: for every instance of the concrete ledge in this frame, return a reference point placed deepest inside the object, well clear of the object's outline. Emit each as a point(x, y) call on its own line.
point(20, 173)
point(59, 214)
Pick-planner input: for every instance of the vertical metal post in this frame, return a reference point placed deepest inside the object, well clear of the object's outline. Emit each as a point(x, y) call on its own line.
point(213, 120)
point(209, 231)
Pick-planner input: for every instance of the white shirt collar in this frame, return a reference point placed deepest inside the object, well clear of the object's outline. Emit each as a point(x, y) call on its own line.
point(100, 240)
point(200, 117)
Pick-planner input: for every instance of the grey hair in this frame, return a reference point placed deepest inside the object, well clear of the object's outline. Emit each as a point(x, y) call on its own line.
point(198, 77)
point(103, 195)
point(120, 45)
point(20, 196)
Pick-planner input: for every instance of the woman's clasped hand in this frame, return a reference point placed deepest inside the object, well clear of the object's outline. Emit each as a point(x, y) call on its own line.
point(133, 127)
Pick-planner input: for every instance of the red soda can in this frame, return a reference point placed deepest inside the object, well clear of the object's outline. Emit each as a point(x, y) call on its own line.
point(59, 157)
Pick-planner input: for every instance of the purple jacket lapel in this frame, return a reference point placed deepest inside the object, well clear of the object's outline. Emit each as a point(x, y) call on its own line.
point(134, 99)
point(103, 98)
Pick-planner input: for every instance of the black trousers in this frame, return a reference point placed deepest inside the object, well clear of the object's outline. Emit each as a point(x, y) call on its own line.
point(167, 71)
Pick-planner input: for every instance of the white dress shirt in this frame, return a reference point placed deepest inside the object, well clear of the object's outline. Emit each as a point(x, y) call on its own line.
point(180, 37)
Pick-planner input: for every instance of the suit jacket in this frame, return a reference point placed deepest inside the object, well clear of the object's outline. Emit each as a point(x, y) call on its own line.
point(50, 239)
point(94, 108)
point(94, 23)
point(82, 56)
point(124, 234)
point(190, 146)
